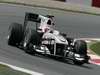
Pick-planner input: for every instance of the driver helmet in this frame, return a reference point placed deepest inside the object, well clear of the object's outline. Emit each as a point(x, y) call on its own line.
point(51, 18)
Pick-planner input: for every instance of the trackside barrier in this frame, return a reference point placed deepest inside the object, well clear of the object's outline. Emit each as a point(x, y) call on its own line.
point(56, 5)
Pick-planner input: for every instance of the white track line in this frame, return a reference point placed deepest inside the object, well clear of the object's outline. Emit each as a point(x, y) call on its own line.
point(89, 39)
point(21, 69)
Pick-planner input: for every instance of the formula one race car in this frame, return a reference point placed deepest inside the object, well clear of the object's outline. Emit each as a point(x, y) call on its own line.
point(45, 40)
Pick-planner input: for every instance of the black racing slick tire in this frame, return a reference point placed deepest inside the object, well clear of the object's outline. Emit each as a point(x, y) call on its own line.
point(80, 47)
point(78, 62)
point(31, 38)
point(16, 33)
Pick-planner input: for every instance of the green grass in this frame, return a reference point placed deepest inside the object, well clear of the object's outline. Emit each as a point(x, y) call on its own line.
point(5, 70)
point(95, 47)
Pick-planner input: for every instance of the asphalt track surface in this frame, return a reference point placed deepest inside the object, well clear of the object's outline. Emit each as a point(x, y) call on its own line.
point(75, 24)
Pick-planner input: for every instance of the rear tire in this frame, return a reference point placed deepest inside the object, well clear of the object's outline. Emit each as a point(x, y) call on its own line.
point(16, 33)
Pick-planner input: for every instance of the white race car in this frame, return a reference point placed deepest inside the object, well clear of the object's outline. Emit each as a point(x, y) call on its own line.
point(46, 40)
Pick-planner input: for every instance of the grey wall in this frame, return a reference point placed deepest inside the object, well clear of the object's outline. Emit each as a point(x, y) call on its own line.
point(83, 2)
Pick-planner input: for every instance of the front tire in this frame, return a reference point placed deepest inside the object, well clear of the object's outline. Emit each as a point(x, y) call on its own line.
point(80, 47)
point(78, 62)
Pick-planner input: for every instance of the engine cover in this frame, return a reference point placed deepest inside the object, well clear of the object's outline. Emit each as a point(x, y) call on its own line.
point(58, 38)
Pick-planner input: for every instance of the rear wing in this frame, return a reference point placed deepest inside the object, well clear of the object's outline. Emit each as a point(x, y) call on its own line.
point(36, 18)
point(31, 17)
